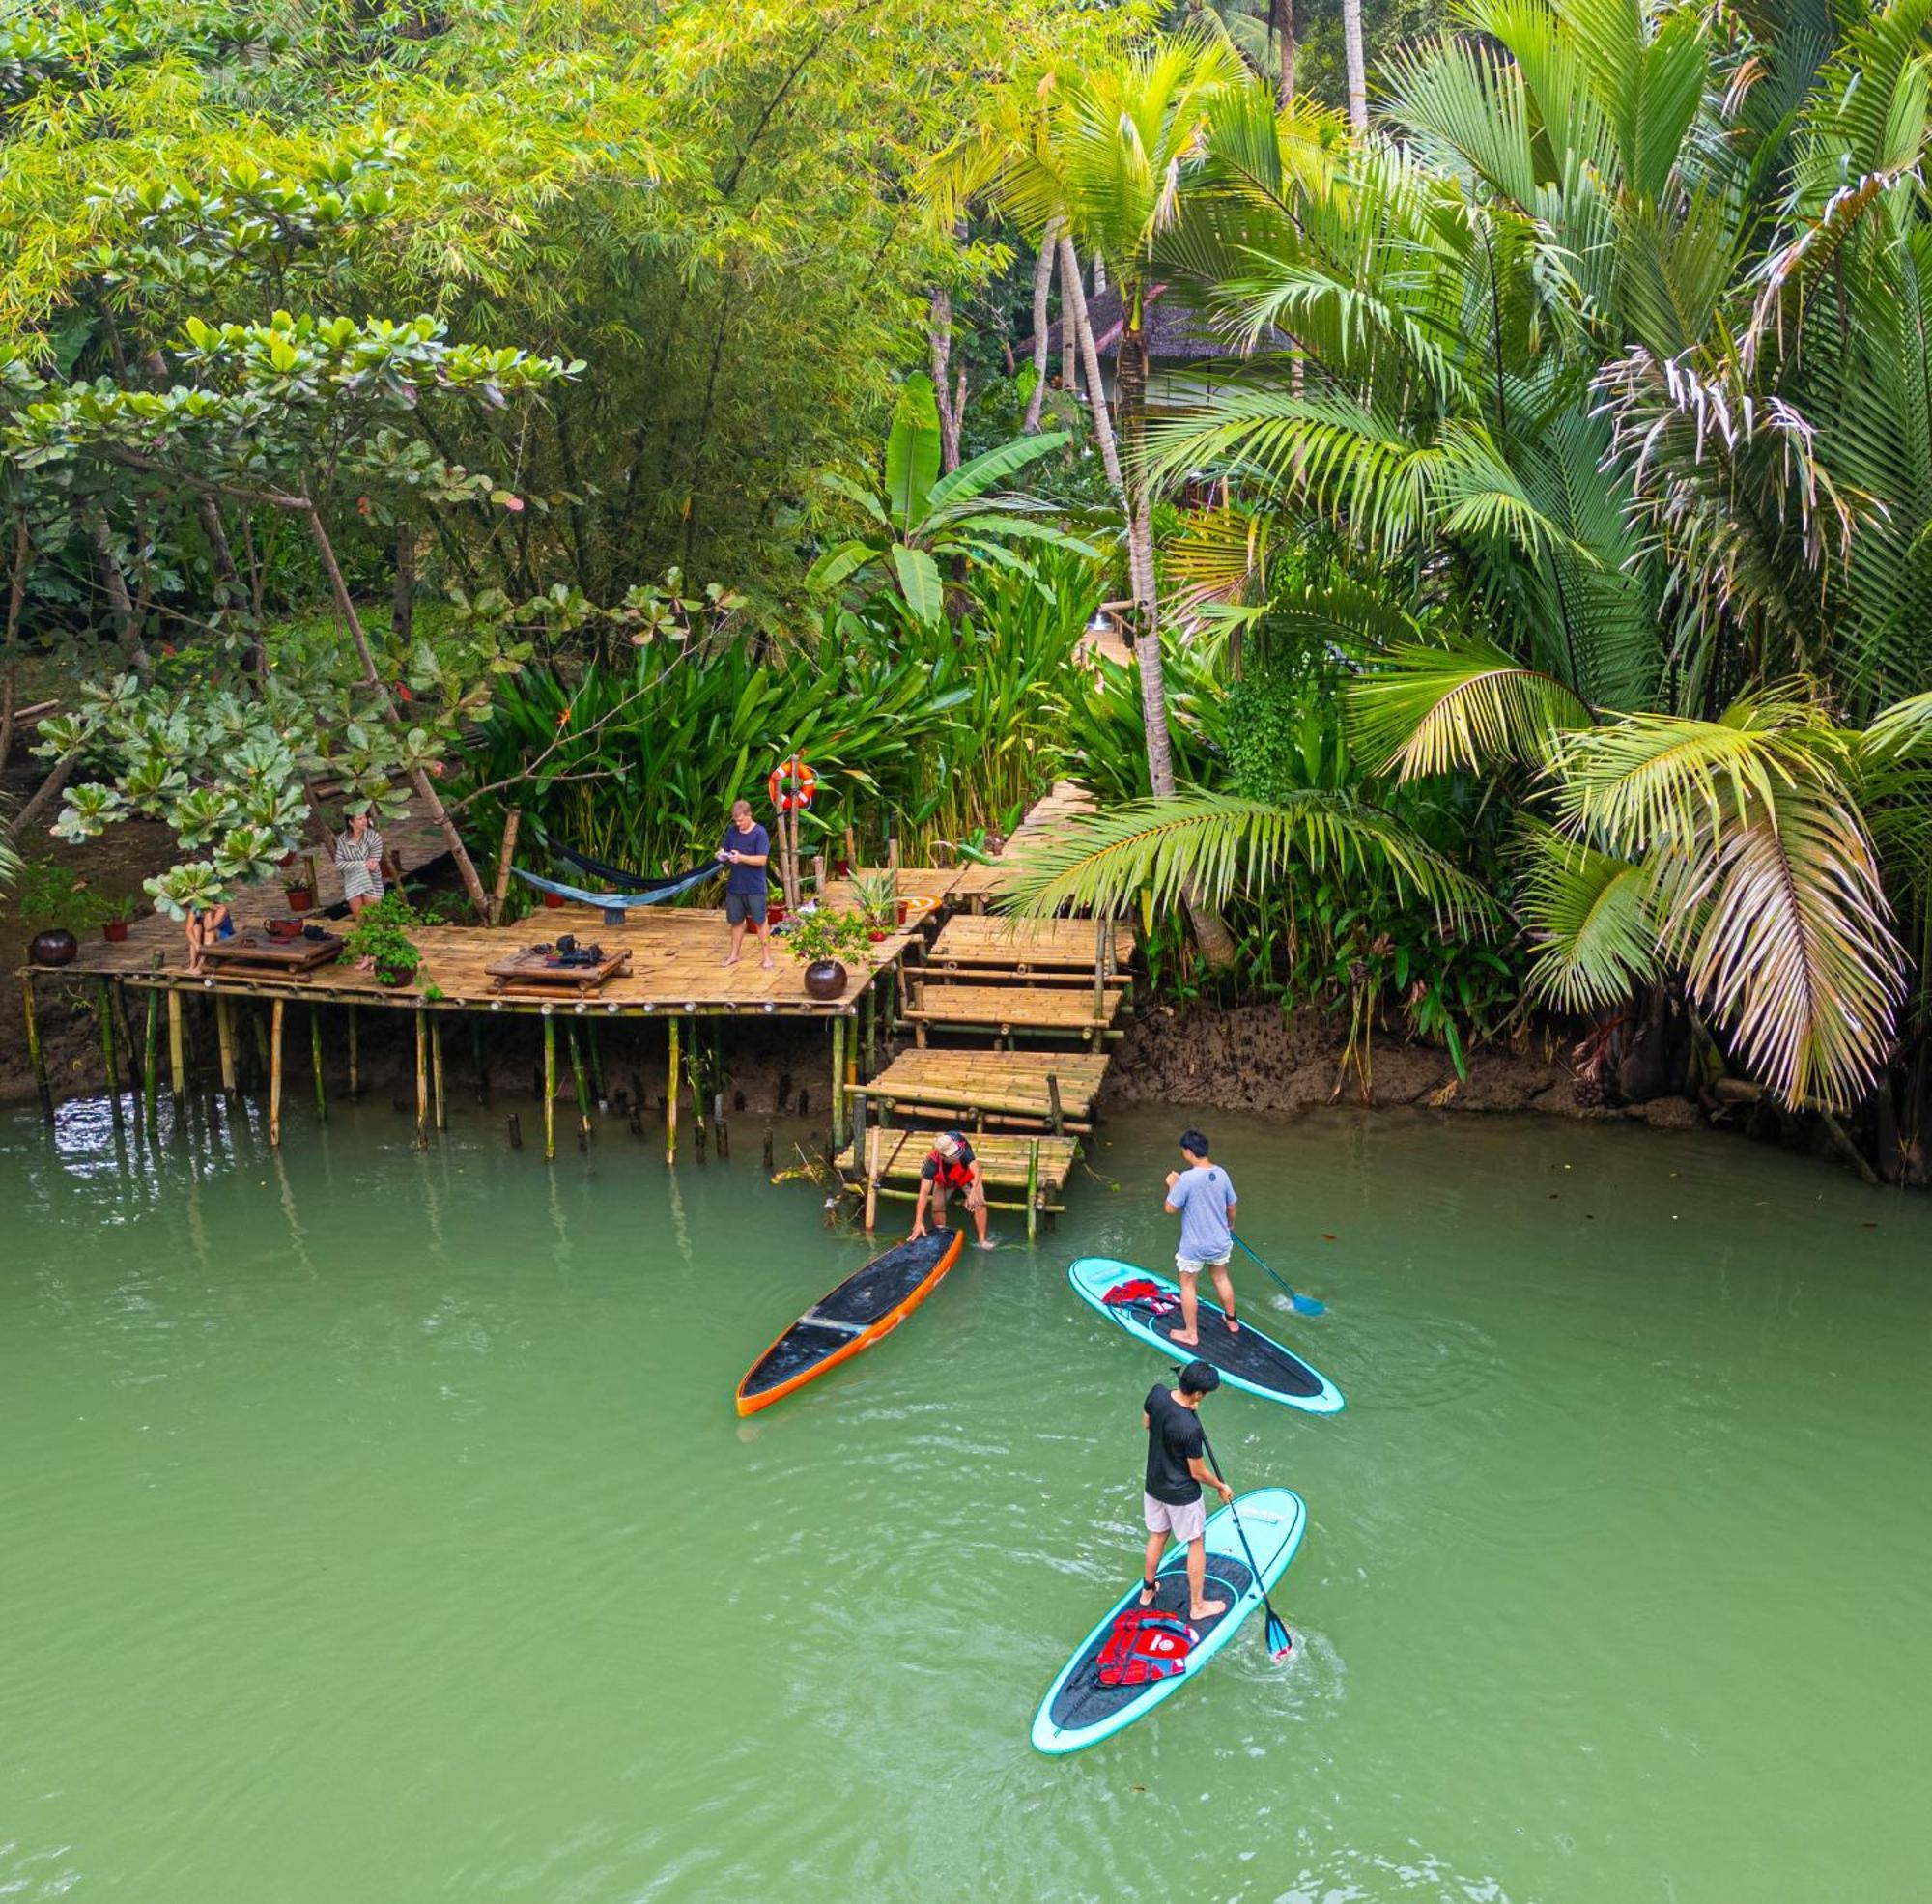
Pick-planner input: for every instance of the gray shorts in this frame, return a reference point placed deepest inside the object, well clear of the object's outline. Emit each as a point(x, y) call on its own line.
point(1185, 1521)
point(739, 907)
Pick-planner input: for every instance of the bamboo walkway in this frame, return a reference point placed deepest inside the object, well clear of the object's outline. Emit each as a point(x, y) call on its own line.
point(1057, 983)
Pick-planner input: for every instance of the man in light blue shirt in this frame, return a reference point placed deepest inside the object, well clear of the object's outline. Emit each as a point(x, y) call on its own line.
point(1203, 1199)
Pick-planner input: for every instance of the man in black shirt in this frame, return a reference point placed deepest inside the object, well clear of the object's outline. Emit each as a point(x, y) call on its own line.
point(1175, 1471)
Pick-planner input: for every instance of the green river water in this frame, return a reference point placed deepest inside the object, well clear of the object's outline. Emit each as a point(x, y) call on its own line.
point(375, 1528)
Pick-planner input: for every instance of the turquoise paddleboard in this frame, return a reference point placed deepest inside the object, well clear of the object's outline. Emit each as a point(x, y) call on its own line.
point(1079, 1711)
point(1249, 1360)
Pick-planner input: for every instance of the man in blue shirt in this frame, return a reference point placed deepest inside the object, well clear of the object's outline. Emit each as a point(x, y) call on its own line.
point(747, 847)
point(1203, 1199)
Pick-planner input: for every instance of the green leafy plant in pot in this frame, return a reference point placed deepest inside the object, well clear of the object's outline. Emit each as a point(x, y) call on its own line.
point(878, 897)
point(299, 887)
point(380, 936)
point(824, 939)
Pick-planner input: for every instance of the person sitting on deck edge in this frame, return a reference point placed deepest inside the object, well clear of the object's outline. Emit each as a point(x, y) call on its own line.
point(204, 927)
point(1175, 1474)
point(951, 1165)
point(1203, 1199)
point(747, 849)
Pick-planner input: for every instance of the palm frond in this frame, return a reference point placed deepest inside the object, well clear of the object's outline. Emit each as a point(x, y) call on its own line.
point(1210, 845)
point(1429, 709)
point(1593, 916)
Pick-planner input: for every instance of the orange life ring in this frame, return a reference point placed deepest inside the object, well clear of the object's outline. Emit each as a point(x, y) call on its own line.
point(792, 786)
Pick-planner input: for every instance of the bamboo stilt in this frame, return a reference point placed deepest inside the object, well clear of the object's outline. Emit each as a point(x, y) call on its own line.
point(224, 1042)
point(670, 1098)
point(481, 1062)
point(422, 1079)
point(596, 1057)
point(315, 1061)
point(838, 1082)
point(34, 1047)
point(275, 1066)
point(354, 1060)
point(436, 1072)
point(695, 1071)
point(550, 1088)
point(107, 1050)
point(577, 1078)
point(150, 1092)
point(1032, 1190)
point(1055, 1121)
point(128, 1046)
point(178, 1054)
point(872, 1179)
point(261, 1044)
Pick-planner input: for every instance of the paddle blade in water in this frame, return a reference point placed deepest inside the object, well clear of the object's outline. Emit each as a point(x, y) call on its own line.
point(1280, 1641)
point(1307, 1305)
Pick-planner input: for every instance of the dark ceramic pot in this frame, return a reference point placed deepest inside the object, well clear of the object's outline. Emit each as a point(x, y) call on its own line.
point(57, 947)
point(826, 979)
point(392, 976)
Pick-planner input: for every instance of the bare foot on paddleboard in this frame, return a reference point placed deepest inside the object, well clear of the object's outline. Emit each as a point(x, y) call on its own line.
point(1189, 1341)
point(1206, 1609)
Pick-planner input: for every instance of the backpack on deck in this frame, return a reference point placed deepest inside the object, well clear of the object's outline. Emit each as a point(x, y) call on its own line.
point(1144, 1646)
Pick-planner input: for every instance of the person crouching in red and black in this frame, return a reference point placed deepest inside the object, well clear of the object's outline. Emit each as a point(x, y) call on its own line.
point(951, 1165)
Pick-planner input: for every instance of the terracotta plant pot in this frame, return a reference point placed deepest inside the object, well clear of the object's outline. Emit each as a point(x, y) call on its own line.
point(905, 906)
point(877, 938)
point(825, 978)
point(553, 900)
point(55, 947)
point(774, 914)
point(300, 897)
point(114, 930)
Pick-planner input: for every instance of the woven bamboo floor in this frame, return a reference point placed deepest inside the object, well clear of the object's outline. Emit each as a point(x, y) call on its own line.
point(1023, 947)
point(975, 1088)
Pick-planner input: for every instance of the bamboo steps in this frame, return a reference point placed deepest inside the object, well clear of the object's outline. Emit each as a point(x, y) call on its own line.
point(1027, 1174)
point(1046, 1091)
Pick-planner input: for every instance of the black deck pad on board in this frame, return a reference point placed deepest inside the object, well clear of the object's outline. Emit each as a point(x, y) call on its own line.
point(1249, 1355)
point(862, 1299)
point(1084, 1701)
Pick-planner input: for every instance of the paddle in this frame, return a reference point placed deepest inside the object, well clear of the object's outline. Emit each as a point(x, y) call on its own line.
point(1302, 1305)
point(1274, 1629)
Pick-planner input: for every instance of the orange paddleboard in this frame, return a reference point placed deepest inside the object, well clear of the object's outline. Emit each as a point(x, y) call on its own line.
point(868, 1305)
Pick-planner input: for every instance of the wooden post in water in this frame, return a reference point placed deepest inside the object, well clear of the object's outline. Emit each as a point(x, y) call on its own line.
point(274, 1067)
point(582, 1089)
point(224, 1042)
point(550, 1087)
point(107, 1049)
point(436, 1071)
point(34, 1048)
point(150, 1092)
point(354, 1060)
point(178, 1056)
point(838, 1082)
point(872, 1179)
point(670, 1098)
point(1033, 1189)
point(422, 1079)
point(596, 1056)
point(482, 1062)
point(124, 1020)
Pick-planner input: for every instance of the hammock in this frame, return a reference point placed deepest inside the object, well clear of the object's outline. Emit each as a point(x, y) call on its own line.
point(626, 882)
point(615, 905)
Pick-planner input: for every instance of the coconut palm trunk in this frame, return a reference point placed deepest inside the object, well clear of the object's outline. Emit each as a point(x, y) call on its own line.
point(1042, 284)
point(1281, 18)
point(1358, 79)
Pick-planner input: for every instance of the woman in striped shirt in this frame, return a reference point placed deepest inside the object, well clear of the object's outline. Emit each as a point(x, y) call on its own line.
point(358, 859)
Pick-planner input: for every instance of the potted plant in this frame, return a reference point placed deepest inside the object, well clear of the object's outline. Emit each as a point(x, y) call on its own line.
point(380, 940)
point(878, 897)
point(117, 915)
point(824, 939)
point(298, 889)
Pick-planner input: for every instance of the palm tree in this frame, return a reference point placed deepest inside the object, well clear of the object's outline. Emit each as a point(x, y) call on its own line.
point(1618, 354)
point(920, 519)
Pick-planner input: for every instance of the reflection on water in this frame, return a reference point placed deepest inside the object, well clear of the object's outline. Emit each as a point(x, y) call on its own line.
point(376, 1523)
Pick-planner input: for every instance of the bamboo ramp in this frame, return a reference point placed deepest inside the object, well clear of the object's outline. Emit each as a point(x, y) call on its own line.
point(1027, 1174)
point(1047, 1091)
point(1029, 948)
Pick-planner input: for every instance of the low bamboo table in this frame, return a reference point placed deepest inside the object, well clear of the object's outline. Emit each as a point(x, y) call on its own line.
point(533, 974)
point(256, 952)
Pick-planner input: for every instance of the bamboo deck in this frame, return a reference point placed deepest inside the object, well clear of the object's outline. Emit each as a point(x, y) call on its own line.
point(1011, 1011)
point(1024, 947)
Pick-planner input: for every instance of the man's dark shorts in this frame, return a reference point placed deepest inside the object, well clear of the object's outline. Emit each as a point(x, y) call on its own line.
point(739, 907)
